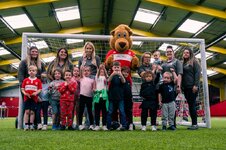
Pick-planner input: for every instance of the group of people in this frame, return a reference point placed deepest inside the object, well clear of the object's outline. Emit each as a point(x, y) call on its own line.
point(90, 88)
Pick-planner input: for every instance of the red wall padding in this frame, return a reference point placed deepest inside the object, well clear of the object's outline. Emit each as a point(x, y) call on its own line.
point(12, 104)
point(218, 110)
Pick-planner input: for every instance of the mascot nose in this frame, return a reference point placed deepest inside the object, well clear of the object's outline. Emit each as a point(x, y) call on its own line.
point(122, 44)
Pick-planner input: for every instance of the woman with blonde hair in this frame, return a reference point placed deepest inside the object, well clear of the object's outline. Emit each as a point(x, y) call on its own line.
point(89, 58)
point(33, 58)
point(61, 62)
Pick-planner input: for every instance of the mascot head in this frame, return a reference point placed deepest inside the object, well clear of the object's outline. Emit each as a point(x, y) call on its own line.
point(121, 38)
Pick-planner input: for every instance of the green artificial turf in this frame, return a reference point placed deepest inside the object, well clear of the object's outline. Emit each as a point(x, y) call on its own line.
point(202, 139)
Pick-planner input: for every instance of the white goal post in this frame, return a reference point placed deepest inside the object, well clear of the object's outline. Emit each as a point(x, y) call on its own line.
point(101, 42)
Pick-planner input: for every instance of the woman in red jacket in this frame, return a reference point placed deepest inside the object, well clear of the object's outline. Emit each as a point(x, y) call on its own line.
point(67, 90)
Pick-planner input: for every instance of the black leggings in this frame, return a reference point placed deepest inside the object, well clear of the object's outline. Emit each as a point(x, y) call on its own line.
point(144, 116)
point(191, 99)
point(85, 101)
point(101, 106)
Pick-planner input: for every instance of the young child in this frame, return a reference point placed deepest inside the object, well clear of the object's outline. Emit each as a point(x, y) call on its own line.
point(167, 95)
point(150, 102)
point(31, 87)
point(100, 99)
point(76, 78)
point(86, 96)
point(116, 96)
point(67, 90)
point(43, 103)
point(55, 98)
point(128, 101)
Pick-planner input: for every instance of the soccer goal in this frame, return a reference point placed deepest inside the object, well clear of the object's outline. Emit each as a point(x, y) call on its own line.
point(48, 44)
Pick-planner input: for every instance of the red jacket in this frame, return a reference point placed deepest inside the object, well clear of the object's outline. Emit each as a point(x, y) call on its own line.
point(67, 92)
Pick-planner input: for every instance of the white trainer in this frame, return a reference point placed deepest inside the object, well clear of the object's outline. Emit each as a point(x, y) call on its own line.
point(81, 127)
point(131, 127)
point(44, 127)
point(32, 127)
point(97, 128)
point(153, 128)
point(39, 126)
point(105, 128)
point(91, 127)
point(143, 128)
point(26, 127)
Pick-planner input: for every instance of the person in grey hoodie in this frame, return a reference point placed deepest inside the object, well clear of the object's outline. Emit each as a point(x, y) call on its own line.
point(190, 83)
point(55, 98)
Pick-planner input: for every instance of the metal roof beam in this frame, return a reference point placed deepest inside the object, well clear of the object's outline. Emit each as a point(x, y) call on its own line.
point(65, 31)
point(98, 27)
point(22, 3)
point(192, 8)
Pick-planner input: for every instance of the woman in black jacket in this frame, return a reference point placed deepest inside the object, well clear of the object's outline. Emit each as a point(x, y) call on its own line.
point(190, 83)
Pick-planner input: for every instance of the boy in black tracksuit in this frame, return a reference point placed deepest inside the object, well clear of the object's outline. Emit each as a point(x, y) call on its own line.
point(150, 102)
point(128, 101)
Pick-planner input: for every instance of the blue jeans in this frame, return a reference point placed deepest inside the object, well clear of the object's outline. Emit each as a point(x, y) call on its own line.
point(120, 106)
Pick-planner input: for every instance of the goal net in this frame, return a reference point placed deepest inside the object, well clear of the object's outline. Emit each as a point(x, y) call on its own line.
point(48, 44)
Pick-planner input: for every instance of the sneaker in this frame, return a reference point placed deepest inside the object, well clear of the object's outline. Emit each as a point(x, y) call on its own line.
point(62, 127)
point(163, 128)
point(91, 127)
point(131, 127)
point(193, 127)
point(118, 129)
point(81, 127)
point(172, 128)
point(26, 127)
point(143, 128)
point(97, 128)
point(105, 128)
point(122, 128)
point(54, 127)
point(70, 128)
point(39, 126)
point(44, 127)
point(32, 127)
point(153, 128)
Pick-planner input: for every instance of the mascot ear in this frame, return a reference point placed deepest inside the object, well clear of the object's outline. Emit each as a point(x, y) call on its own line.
point(129, 30)
point(112, 32)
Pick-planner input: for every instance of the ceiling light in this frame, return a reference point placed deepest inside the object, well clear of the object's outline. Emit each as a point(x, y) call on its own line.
point(48, 59)
point(191, 26)
point(3, 51)
point(72, 41)
point(40, 44)
point(76, 54)
point(15, 65)
point(18, 21)
point(208, 55)
point(164, 46)
point(8, 78)
point(67, 13)
point(210, 72)
point(138, 43)
point(146, 16)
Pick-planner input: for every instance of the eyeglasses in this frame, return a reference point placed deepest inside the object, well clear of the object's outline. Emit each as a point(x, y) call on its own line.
point(169, 51)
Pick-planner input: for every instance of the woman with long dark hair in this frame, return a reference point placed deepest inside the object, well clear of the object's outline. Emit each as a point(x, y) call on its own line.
point(190, 83)
point(61, 62)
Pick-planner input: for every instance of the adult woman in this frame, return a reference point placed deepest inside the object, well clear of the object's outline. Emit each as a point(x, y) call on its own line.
point(33, 58)
point(190, 83)
point(173, 64)
point(61, 62)
point(146, 64)
point(89, 58)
